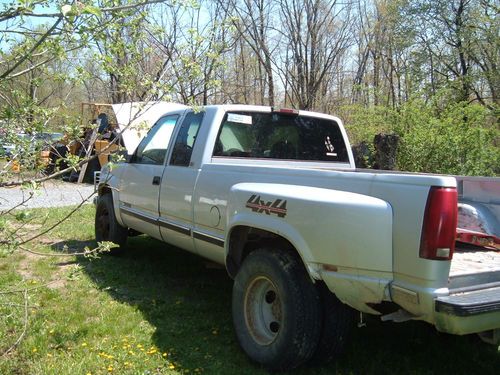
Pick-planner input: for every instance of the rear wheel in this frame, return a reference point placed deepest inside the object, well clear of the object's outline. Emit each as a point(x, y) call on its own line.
point(276, 309)
point(107, 227)
point(337, 322)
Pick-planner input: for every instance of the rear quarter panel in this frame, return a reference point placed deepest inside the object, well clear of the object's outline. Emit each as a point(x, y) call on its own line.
point(343, 238)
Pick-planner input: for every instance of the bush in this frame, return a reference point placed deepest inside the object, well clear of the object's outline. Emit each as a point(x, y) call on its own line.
point(459, 138)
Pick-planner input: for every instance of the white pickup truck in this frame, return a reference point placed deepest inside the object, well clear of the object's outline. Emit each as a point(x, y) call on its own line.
point(274, 196)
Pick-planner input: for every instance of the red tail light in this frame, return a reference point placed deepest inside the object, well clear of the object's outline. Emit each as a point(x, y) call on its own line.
point(440, 224)
point(285, 111)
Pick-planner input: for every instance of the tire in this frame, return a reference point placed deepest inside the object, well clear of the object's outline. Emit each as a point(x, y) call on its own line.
point(276, 309)
point(337, 323)
point(106, 226)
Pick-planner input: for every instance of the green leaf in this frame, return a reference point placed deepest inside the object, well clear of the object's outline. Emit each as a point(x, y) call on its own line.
point(96, 11)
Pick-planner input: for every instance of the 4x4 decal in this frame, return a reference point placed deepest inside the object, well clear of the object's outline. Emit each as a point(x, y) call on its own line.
point(278, 207)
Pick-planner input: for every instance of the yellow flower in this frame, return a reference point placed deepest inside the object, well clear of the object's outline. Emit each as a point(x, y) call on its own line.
point(34, 350)
point(171, 366)
point(110, 369)
point(84, 344)
point(51, 331)
point(164, 354)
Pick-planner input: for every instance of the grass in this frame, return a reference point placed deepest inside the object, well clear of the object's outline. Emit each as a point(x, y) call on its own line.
point(159, 310)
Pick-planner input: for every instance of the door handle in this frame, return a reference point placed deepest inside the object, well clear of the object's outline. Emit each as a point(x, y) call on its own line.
point(156, 180)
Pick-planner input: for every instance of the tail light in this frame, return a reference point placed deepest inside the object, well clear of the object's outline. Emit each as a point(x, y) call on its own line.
point(440, 224)
point(286, 111)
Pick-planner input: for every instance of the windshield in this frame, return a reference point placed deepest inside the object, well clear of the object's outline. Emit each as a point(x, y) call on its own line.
point(280, 136)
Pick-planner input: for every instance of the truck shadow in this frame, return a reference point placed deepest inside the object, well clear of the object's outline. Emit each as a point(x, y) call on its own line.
point(188, 302)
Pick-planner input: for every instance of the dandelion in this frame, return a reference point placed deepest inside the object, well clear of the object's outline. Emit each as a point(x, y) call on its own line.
point(34, 350)
point(171, 366)
point(51, 331)
point(110, 368)
point(164, 354)
point(84, 344)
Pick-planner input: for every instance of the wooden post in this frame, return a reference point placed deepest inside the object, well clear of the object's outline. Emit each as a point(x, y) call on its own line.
point(90, 147)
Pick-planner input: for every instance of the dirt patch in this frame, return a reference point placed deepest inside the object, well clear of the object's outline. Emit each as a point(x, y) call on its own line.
point(25, 265)
point(61, 267)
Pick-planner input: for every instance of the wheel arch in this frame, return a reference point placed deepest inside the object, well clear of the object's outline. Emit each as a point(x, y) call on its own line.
point(103, 189)
point(243, 239)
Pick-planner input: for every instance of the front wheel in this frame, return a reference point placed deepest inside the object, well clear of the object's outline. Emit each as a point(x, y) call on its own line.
point(107, 227)
point(276, 309)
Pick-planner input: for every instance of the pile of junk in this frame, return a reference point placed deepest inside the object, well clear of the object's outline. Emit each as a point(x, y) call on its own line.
point(106, 129)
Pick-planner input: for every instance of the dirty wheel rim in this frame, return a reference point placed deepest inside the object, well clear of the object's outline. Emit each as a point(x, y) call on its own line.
point(103, 224)
point(263, 310)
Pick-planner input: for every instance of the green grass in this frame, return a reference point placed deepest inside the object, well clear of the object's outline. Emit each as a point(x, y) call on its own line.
point(159, 310)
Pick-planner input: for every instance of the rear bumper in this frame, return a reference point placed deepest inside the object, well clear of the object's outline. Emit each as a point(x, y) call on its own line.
point(468, 304)
point(469, 312)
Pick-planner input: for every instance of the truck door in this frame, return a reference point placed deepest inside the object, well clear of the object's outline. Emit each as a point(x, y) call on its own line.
point(177, 185)
point(140, 183)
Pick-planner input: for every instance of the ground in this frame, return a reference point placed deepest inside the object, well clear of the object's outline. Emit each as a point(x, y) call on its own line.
point(53, 193)
point(159, 310)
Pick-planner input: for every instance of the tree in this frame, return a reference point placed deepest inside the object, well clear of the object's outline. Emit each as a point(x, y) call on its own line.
point(253, 22)
point(316, 34)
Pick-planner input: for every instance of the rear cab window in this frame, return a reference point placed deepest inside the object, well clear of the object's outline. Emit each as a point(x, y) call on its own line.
point(280, 136)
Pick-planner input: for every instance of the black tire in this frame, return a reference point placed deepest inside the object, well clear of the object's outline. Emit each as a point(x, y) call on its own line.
point(276, 309)
point(337, 323)
point(106, 226)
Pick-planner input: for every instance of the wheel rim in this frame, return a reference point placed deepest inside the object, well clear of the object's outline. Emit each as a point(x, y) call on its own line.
point(103, 224)
point(263, 310)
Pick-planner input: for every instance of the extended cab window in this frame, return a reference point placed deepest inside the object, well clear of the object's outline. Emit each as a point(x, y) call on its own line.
point(280, 136)
point(153, 147)
point(186, 138)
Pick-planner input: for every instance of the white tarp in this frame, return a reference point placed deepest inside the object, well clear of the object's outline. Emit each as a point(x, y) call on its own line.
point(135, 119)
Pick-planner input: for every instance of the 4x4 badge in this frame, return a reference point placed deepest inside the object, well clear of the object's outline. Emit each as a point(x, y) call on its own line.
point(278, 207)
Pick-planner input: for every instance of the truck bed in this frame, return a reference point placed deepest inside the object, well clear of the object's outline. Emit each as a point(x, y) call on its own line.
point(471, 261)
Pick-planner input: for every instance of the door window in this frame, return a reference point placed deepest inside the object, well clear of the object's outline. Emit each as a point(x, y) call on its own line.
point(153, 147)
point(184, 143)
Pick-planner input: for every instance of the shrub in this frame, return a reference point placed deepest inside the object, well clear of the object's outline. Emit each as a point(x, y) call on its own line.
point(455, 138)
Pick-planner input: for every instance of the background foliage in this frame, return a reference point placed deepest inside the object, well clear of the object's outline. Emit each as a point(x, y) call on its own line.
point(426, 70)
